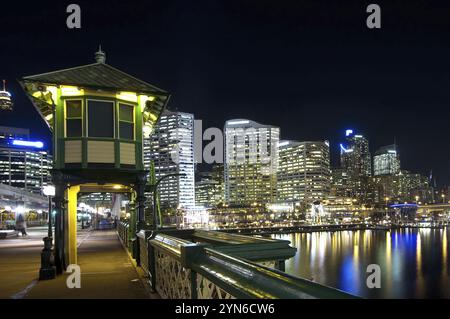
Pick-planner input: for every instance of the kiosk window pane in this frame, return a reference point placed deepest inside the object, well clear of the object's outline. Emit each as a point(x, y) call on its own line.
point(73, 108)
point(126, 130)
point(74, 128)
point(126, 121)
point(74, 120)
point(101, 119)
point(126, 112)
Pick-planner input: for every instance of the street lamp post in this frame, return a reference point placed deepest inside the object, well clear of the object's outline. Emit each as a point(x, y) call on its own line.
point(48, 271)
point(154, 189)
point(49, 191)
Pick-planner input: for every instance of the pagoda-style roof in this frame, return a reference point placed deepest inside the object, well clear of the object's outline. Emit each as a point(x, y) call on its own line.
point(96, 76)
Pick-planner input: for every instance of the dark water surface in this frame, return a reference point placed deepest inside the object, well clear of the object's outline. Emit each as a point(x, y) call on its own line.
point(414, 263)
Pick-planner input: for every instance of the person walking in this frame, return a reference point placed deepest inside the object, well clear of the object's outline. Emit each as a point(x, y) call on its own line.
point(21, 225)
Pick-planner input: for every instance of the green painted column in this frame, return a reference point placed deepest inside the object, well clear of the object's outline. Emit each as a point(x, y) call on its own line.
point(132, 224)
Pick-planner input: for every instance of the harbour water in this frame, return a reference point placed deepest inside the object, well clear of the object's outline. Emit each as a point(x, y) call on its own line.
point(414, 263)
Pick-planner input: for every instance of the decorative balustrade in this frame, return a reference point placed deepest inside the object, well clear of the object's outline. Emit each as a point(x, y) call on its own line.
point(181, 269)
point(122, 230)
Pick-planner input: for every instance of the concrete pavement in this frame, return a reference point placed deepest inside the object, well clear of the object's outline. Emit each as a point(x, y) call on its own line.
point(20, 261)
point(106, 270)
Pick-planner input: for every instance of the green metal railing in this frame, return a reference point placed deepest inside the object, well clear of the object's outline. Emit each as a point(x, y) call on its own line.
point(181, 269)
point(122, 230)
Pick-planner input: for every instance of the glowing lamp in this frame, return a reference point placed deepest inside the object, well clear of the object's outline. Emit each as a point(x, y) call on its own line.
point(49, 190)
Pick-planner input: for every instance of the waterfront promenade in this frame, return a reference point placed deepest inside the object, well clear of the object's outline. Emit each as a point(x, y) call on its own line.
point(106, 269)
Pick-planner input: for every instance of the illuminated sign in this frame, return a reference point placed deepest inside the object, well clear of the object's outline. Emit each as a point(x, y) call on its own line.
point(348, 132)
point(343, 149)
point(35, 144)
point(238, 122)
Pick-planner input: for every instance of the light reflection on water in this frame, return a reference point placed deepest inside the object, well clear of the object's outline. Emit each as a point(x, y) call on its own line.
point(414, 262)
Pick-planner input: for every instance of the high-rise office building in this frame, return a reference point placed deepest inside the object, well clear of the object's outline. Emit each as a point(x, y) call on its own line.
point(356, 160)
point(251, 162)
point(386, 161)
point(24, 163)
point(355, 154)
point(209, 187)
point(401, 187)
point(171, 149)
point(339, 183)
point(303, 171)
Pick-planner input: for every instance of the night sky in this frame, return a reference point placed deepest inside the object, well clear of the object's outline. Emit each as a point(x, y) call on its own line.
point(312, 67)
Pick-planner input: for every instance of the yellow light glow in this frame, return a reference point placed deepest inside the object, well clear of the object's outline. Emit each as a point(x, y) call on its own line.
point(48, 96)
point(54, 92)
point(143, 99)
point(71, 91)
point(37, 94)
point(49, 117)
point(117, 186)
point(127, 96)
point(147, 130)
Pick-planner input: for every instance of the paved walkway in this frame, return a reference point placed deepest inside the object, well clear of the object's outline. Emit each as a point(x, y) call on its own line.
point(20, 260)
point(106, 272)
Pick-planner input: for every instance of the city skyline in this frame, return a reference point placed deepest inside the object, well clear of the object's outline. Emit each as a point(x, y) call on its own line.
point(224, 149)
point(336, 165)
point(320, 84)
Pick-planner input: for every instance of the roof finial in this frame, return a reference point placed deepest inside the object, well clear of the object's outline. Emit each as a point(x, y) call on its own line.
point(100, 56)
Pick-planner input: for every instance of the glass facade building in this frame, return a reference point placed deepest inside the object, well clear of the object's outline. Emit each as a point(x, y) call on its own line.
point(356, 161)
point(251, 162)
point(209, 187)
point(386, 161)
point(171, 149)
point(24, 164)
point(304, 171)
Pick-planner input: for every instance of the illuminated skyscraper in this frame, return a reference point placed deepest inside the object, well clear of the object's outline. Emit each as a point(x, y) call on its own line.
point(24, 163)
point(355, 155)
point(402, 187)
point(171, 148)
point(339, 182)
point(251, 162)
point(386, 161)
point(356, 160)
point(304, 171)
point(209, 187)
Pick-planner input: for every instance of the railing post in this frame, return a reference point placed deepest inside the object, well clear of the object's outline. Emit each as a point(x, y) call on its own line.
point(280, 265)
point(152, 267)
point(194, 292)
point(189, 255)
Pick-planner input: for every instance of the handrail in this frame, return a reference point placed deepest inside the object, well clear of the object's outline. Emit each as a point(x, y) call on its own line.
point(122, 230)
point(170, 244)
point(244, 279)
point(233, 239)
point(239, 277)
